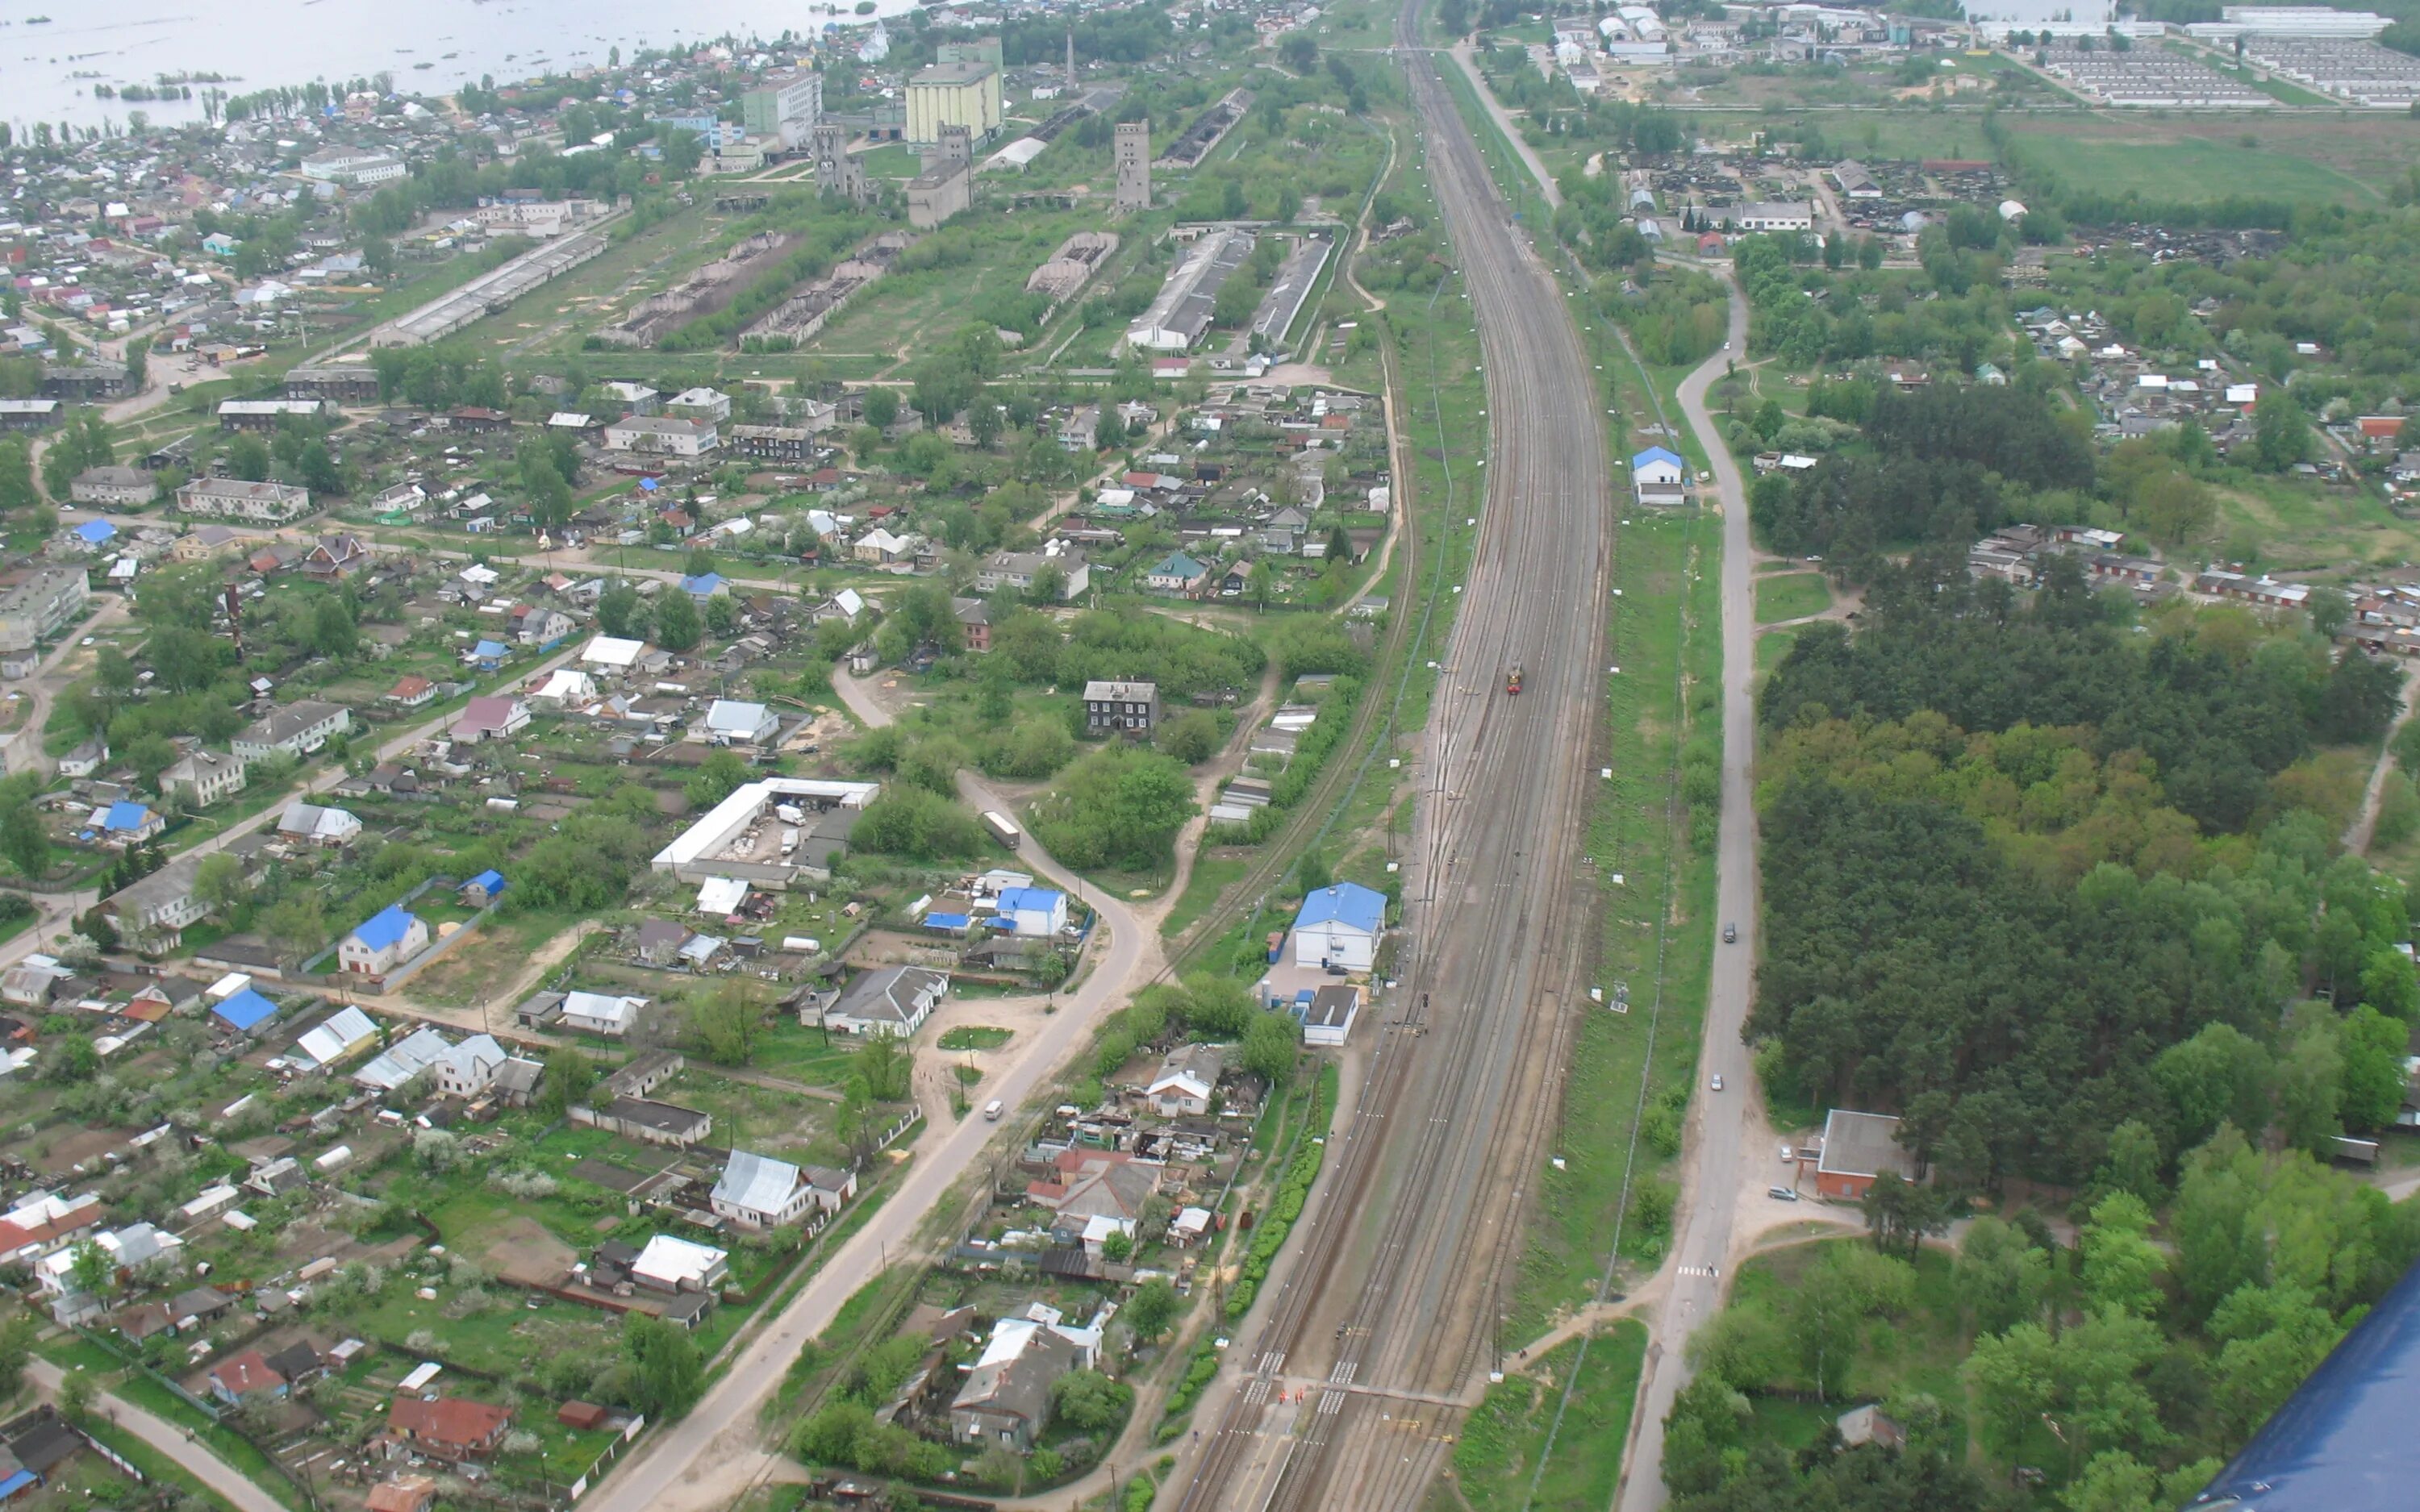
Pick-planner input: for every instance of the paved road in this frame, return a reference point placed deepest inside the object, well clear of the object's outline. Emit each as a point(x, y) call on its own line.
point(169, 1439)
point(708, 1459)
point(1723, 1122)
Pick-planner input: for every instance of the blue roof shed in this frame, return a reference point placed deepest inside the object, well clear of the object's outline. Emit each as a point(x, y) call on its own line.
point(125, 817)
point(491, 881)
point(94, 531)
point(245, 1008)
point(490, 650)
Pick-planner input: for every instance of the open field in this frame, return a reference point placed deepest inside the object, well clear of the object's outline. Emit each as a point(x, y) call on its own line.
point(2345, 161)
point(2294, 525)
point(1495, 1463)
point(1793, 595)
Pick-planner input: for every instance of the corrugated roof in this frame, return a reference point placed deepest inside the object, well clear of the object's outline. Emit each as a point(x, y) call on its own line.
point(756, 1183)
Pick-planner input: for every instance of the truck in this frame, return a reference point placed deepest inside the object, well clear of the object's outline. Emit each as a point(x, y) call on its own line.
point(1003, 828)
point(1512, 680)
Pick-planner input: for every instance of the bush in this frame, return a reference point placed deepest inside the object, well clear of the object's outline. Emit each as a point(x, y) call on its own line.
point(917, 823)
point(1121, 805)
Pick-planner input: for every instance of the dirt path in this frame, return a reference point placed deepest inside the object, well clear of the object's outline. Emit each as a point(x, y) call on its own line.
point(167, 1439)
point(2357, 835)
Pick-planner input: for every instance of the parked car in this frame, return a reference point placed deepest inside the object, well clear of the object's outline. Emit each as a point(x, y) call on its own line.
point(1781, 1194)
point(1717, 1083)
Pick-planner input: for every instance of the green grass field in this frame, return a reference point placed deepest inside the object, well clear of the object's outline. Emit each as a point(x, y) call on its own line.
point(2115, 156)
point(1790, 596)
point(1771, 646)
point(1496, 1461)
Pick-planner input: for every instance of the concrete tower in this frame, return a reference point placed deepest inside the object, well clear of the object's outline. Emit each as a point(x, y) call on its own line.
point(1134, 165)
point(1071, 61)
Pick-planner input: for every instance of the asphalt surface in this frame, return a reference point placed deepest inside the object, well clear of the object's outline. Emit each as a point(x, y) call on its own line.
point(1359, 1364)
point(1723, 1124)
point(169, 1439)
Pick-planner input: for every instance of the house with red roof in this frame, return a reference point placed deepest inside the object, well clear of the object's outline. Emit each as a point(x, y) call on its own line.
point(449, 1427)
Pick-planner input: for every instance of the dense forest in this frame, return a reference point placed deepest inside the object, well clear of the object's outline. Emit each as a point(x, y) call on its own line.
point(2021, 857)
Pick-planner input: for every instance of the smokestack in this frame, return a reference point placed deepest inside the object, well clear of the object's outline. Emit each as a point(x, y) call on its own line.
point(1071, 58)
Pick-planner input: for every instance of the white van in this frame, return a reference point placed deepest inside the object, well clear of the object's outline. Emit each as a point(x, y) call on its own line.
point(993, 1109)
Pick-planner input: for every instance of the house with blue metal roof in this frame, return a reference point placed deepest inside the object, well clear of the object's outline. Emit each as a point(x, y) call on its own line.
point(94, 531)
point(1037, 913)
point(705, 585)
point(387, 939)
point(245, 1009)
point(483, 889)
point(488, 654)
point(1338, 926)
point(129, 824)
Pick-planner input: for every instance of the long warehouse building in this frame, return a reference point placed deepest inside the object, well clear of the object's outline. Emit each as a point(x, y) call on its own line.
point(492, 291)
point(1180, 317)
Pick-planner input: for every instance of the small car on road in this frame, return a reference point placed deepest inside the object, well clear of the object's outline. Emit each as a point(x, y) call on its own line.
point(1717, 1083)
point(1781, 1194)
point(1730, 934)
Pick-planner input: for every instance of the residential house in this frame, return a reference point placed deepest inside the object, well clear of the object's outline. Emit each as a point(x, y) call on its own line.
point(672, 1264)
point(1338, 926)
point(112, 487)
point(152, 913)
point(1006, 1398)
point(1124, 708)
point(202, 778)
point(731, 723)
point(1187, 1081)
point(974, 618)
point(296, 729)
point(1035, 913)
point(758, 1192)
point(405, 1493)
point(310, 823)
point(1327, 1017)
point(386, 940)
point(248, 1374)
point(449, 1427)
point(496, 717)
point(1087, 1183)
point(1017, 570)
point(888, 1000)
point(38, 604)
point(659, 940)
point(660, 436)
point(470, 1068)
point(335, 558)
point(254, 504)
point(608, 1014)
point(1179, 574)
point(128, 824)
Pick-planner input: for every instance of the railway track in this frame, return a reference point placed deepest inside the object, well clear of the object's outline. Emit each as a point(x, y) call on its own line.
point(1409, 1254)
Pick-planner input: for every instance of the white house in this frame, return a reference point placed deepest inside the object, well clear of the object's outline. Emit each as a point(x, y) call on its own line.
point(758, 1192)
point(603, 1013)
point(1037, 913)
point(889, 1000)
point(1340, 926)
point(385, 941)
point(662, 435)
point(728, 720)
point(309, 821)
point(470, 1068)
point(296, 729)
point(204, 777)
point(1658, 477)
point(1185, 1081)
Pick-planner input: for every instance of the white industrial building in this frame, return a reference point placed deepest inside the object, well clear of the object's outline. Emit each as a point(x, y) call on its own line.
point(699, 851)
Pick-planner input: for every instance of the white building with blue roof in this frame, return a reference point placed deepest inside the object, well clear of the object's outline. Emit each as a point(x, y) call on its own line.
point(386, 940)
point(1658, 476)
point(1340, 926)
point(1037, 913)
